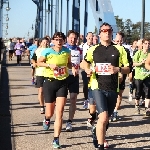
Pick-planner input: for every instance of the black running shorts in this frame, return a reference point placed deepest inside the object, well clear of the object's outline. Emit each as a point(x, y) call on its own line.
point(73, 84)
point(53, 88)
point(39, 81)
point(105, 100)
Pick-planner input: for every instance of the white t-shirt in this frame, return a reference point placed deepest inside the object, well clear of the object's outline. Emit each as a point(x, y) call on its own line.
point(85, 48)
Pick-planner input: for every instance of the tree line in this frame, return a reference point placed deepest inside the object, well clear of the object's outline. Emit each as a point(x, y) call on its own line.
point(131, 30)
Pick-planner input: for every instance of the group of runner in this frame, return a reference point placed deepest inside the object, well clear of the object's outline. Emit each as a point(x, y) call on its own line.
point(104, 67)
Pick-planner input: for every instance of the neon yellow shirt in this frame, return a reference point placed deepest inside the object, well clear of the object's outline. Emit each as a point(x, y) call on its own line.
point(60, 59)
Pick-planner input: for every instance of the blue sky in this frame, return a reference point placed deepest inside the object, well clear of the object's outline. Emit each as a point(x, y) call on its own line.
point(23, 12)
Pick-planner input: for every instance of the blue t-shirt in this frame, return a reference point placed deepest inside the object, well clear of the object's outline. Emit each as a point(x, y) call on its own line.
point(32, 50)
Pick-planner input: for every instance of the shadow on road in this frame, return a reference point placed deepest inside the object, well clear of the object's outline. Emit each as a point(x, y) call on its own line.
point(5, 114)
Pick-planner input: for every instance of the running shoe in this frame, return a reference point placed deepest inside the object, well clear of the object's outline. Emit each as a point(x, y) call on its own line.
point(137, 109)
point(33, 82)
point(56, 144)
point(85, 105)
point(46, 125)
point(68, 127)
point(114, 117)
point(42, 110)
point(130, 97)
point(147, 112)
point(90, 122)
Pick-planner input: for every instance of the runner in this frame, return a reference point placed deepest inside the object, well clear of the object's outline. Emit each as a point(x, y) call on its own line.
point(122, 77)
point(107, 59)
point(11, 49)
point(40, 72)
point(32, 49)
point(18, 50)
point(142, 77)
point(73, 81)
point(133, 49)
point(56, 60)
point(86, 46)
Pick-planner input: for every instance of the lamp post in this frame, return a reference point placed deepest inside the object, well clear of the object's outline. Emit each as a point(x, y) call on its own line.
point(143, 19)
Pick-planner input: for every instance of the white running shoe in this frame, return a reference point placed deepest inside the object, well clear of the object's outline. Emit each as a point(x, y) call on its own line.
point(130, 97)
point(68, 127)
point(85, 105)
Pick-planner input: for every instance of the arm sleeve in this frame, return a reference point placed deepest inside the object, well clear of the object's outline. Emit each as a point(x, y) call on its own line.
point(44, 53)
point(30, 48)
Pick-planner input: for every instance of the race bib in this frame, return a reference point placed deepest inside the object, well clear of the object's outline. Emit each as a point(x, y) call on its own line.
point(18, 48)
point(60, 71)
point(102, 68)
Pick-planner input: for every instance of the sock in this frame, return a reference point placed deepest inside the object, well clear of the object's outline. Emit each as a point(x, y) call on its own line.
point(69, 121)
point(115, 110)
point(42, 106)
point(94, 116)
point(47, 119)
point(101, 147)
point(56, 138)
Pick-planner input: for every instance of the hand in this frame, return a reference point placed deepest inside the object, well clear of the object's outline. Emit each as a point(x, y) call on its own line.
point(113, 70)
point(88, 72)
point(143, 61)
point(52, 66)
point(74, 71)
point(34, 65)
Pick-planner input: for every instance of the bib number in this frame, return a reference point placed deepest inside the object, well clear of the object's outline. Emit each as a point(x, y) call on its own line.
point(102, 68)
point(60, 71)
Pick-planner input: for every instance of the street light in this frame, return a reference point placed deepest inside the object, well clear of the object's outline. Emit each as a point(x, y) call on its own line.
point(7, 8)
point(6, 25)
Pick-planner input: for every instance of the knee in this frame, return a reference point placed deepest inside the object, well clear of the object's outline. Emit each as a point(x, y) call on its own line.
point(103, 119)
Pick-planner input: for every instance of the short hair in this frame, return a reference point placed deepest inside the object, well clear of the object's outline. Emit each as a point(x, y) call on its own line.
point(105, 24)
point(145, 39)
point(72, 32)
point(44, 38)
point(121, 33)
point(60, 35)
point(89, 33)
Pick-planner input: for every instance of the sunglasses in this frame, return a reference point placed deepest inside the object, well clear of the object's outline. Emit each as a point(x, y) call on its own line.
point(106, 30)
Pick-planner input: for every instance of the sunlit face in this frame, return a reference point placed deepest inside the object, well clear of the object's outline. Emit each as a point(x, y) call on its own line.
point(134, 45)
point(95, 40)
point(36, 42)
point(139, 44)
point(89, 38)
point(146, 45)
point(118, 40)
point(58, 42)
point(106, 33)
point(72, 39)
point(44, 43)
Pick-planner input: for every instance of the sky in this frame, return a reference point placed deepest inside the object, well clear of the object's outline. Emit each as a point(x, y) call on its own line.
point(23, 13)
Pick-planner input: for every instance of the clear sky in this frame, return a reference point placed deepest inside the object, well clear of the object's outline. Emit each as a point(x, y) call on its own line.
point(23, 13)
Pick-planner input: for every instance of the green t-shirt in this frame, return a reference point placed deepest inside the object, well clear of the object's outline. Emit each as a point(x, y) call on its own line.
point(141, 72)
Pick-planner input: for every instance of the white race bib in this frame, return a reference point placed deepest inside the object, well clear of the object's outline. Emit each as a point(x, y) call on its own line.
point(102, 68)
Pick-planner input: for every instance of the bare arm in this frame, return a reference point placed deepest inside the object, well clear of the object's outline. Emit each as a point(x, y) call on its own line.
point(41, 62)
point(147, 63)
